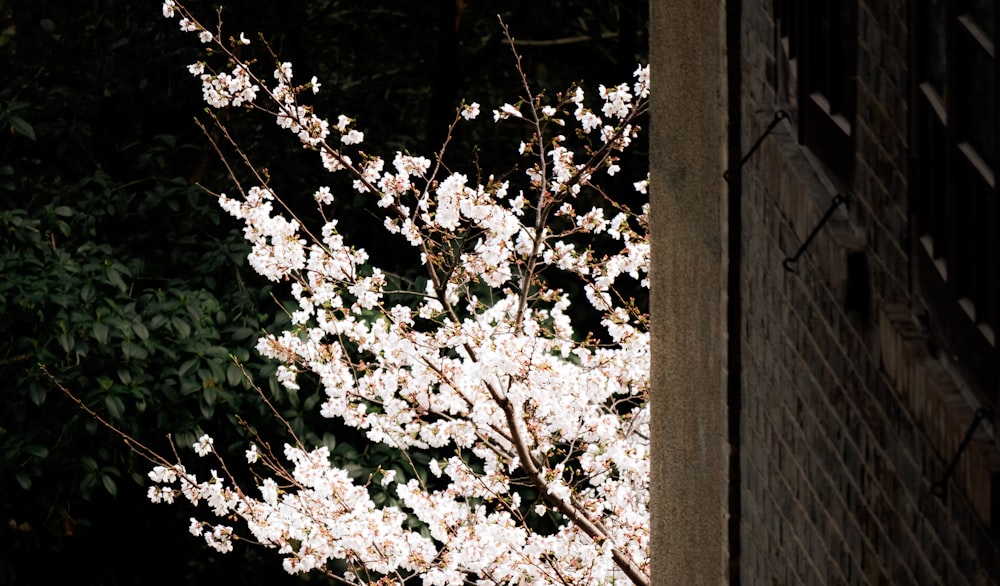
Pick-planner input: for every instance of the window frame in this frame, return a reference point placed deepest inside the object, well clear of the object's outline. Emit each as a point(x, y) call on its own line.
point(808, 70)
point(955, 198)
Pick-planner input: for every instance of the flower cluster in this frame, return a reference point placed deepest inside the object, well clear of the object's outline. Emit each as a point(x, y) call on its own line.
point(224, 89)
point(482, 369)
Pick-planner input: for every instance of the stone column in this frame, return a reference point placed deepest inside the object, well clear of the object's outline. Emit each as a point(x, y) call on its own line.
point(688, 209)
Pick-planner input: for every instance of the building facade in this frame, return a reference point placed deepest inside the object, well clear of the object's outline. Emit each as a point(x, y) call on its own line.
point(851, 228)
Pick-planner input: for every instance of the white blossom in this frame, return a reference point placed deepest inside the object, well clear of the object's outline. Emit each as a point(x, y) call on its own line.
point(641, 87)
point(203, 446)
point(352, 137)
point(642, 186)
point(283, 73)
point(506, 111)
point(470, 111)
point(196, 528)
point(479, 360)
point(323, 195)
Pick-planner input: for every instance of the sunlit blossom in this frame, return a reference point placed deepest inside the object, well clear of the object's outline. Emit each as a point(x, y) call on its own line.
point(470, 111)
point(204, 445)
point(480, 360)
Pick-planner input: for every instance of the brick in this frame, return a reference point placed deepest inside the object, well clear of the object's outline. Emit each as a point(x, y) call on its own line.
point(847, 420)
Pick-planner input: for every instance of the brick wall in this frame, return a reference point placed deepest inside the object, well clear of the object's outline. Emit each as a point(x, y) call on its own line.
point(847, 419)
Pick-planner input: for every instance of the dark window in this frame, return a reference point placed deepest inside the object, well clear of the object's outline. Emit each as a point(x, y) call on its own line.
point(956, 216)
point(817, 63)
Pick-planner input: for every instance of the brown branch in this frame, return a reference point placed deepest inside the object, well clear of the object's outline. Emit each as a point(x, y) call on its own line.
point(565, 40)
point(133, 444)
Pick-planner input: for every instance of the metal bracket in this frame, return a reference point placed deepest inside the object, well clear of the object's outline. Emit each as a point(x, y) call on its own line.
point(940, 488)
point(778, 117)
point(791, 263)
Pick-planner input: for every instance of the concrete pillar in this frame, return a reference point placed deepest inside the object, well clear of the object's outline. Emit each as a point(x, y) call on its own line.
point(688, 216)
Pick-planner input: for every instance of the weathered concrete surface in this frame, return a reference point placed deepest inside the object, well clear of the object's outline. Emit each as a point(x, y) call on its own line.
point(688, 142)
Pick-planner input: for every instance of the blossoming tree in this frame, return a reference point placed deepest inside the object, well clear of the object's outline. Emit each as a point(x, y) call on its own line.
point(481, 369)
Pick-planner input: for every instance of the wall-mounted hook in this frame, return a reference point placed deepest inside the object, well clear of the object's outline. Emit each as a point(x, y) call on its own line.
point(791, 263)
point(940, 488)
point(778, 117)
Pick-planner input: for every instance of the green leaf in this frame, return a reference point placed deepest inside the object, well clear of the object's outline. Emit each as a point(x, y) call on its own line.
point(124, 375)
point(24, 481)
point(217, 352)
point(87, 292)
point(116, 408)
point(186, 366)
point(189, 386)
point(116, 279)
point(64, 211)
point(65, 341)
point(355, 471)
point(242, 334)
point(101, 332)
point(87, 483)
point(140, 331)
point(37, 450)
point(181, 327)
point(234, 375)
point(37, 394)
point(132, 350)
point(63, 300)
point(109, 485)
point(349, 452)
point(21, 126)
point(88, 463)
point(216, 373)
